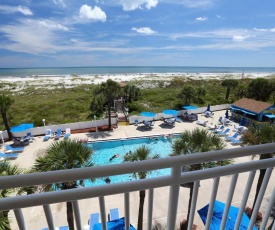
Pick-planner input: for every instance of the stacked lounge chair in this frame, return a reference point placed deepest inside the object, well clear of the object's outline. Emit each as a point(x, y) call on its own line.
point(48, 135)
point(94, 219)
point(4, 156)
point(11, 149)
point(67, 133)
point(230, 138)
point(114, 215)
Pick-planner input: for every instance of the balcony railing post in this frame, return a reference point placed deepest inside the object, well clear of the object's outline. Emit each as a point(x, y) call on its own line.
point(127, 210)
point(173, 198)
point(268, 211)
point(49, 216)
point(229, 199)
point(244, 198)
point(259, 198)
point(103, 212)
point(193, 205)
point(20, 219)
point(212, 202)
point(150, 208)
point(77, 215)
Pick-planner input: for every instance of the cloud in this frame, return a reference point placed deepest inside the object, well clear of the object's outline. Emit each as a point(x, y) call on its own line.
point(144, 30)
point(88, 13)
point(193, 3)
point(239, 38)
point(202, 19)
point(264, 30)
point(60, 3)
point(32, 36)
point(13, 9)
point(138, 4)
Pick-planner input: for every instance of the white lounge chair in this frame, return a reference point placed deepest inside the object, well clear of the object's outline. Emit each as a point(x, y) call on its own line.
point(48, 135)
point(203, 123)
point(67, 133)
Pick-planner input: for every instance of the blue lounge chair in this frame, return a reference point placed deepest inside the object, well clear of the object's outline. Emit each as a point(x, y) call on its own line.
point(60, 228)
point(224, 133)
point(114, 215)
point(229, 138)
point(48, 135)
point(8, 156)
point(236, 142)
point(94, 219)
point(136, 122)
point(10, 149)
point(177, 119)
point(58, 134)
point(29, 136)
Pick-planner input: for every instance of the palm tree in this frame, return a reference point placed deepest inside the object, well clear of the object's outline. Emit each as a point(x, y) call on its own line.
point(140, 154)
point(256, 136)
point(5, 104)
point(229, 83)
point(107, 92)
point(6, 169)
point(188, 93)
point(64, 154)
point(196, 141)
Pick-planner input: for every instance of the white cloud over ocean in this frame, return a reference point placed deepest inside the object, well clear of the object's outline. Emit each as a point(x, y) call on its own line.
point(15, 9)
point(144, 30)
point(88, 13)
point(138, 4)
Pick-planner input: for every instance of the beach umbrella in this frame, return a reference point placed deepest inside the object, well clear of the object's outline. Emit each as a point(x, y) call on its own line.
point(21, 128)
point(118, 224)
point(148, 114)
point(189, 107)
point(243, 121)
point(208, 108)
point(170, 112)
point(218, 211)
point(226, 114)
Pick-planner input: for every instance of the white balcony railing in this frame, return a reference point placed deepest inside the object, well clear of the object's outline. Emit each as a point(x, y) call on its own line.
point(173, 180)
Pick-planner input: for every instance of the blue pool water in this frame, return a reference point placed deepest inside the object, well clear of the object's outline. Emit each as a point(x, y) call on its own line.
point(104, 150)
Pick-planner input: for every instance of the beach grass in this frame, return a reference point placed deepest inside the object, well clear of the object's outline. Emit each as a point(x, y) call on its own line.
point(60, 103)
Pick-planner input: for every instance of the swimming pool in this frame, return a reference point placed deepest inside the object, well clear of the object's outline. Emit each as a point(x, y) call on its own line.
point(103, 151)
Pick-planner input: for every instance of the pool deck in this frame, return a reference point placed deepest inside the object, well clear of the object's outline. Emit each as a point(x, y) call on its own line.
point(35, 218)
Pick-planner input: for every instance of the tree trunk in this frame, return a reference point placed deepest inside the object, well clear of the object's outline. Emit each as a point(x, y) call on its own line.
point(261, 177)
point(140, 210)
point(70, 215)
point(6, 123)
point(109, 115)
point(259, 184)
point(190, 201)
point(227, 93)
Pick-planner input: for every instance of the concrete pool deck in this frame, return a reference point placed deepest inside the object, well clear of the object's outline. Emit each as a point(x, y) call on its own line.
point(35, 218)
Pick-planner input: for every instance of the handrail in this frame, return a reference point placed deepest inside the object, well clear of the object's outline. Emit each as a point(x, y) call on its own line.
point(137, 185)
point(130, 167)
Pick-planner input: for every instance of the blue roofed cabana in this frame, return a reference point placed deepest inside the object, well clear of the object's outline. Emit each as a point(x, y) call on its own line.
point(252, 109)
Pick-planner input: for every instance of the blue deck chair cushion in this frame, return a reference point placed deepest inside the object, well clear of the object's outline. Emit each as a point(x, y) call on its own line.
point(11, 149)
point(6, 156)
point(94, 219)
point(114, 215)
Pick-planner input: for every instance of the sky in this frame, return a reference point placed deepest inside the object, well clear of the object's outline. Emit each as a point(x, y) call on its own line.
point(72, 33)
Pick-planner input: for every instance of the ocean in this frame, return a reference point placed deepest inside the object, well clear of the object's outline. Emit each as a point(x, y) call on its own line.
point(65, 71)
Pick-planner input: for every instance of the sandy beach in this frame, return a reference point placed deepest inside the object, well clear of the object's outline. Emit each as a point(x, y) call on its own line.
point(69, 81)
point(35, 216)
